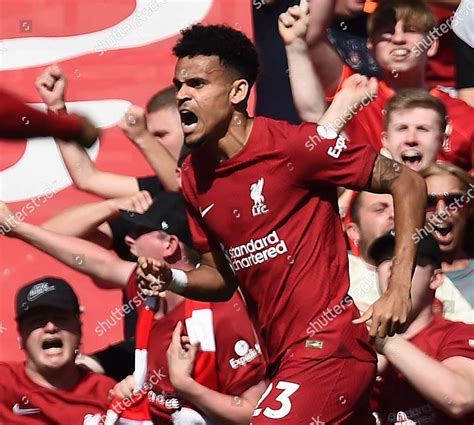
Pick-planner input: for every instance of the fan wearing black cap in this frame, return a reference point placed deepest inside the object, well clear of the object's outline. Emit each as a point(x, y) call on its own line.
point(426, 374)
point(49, 388)
point(236, 367)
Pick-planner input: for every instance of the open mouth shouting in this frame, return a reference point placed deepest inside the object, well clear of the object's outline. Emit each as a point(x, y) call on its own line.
point(412, 158)
point(189, 120)
point(52, 346)
point(443, 232)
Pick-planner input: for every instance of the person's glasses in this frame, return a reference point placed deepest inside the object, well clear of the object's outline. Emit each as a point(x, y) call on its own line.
point(448, 199)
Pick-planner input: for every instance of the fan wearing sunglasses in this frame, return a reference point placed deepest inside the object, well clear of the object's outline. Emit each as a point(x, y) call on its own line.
point(450, 215)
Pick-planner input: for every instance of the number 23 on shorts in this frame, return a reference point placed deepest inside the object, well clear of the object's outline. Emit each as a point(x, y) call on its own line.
point(289, 388)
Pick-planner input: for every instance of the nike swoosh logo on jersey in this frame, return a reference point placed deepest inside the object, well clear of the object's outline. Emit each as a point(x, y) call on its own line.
point(206, 210)
point(17, 410)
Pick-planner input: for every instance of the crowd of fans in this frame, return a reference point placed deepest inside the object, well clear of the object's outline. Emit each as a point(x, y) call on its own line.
point(375, 79)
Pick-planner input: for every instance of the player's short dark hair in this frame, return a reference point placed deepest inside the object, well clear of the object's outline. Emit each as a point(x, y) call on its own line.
point(414, 13)
point(165, 98)
point(233, 48)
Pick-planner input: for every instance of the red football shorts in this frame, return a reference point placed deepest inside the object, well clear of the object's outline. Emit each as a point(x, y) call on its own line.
point(311, 391)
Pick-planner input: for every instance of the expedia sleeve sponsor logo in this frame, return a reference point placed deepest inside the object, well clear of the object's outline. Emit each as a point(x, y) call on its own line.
point(246, 354)
point(335, 151)
point(256, 251)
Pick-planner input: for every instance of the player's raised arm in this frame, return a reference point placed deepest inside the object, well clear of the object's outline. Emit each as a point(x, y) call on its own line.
point(390, 312)
point(51, 86)
point(306, 88)
point(213, 280)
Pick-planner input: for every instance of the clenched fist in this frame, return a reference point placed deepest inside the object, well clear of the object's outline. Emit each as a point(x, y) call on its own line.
point(360, 89)
point(154, 277)
point(51, 86)
point(293, 24)
point(139, 202)
point(133, 123)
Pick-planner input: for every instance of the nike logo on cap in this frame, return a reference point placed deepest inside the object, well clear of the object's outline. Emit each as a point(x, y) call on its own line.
point(19, 411)
point(206, 210)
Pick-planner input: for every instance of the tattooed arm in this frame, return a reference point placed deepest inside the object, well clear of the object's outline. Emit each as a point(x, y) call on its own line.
point(408, 189)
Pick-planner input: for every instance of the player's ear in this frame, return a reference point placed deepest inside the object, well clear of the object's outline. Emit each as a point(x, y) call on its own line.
point(239, 92)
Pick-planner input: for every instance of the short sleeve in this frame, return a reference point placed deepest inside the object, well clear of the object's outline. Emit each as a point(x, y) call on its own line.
point(151, 184)
point(239, 359)
point(458, 342)
point(339, 162)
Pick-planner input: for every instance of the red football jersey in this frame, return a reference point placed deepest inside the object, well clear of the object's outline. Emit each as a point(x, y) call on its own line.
point(237, 361)
point(273, 209)
point(367, 124)
point(22, 402)
point(394, 397)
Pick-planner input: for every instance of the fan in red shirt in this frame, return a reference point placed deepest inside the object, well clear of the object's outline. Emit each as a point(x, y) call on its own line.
point(230, 360)
point(163, 234)
point(426, 374)
point(402, 37)
point(263, 210)
point(49, 388)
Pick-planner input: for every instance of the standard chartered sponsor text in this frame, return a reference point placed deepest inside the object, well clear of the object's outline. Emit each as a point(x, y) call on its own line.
point(256, 251)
